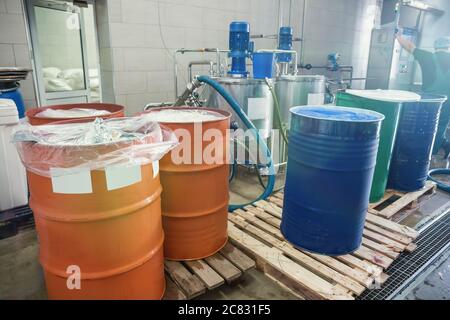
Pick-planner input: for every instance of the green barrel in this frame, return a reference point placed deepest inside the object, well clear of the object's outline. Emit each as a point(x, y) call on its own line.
point(391, 111)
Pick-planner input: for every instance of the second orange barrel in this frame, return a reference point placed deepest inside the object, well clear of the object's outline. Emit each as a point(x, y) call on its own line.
point(195, 189)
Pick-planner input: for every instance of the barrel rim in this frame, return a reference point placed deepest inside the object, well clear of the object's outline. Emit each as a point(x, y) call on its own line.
point(227, 115)
point(300, 78)
point(414, 97)
point(114, 109)
point(432, 98)
point(378, 117)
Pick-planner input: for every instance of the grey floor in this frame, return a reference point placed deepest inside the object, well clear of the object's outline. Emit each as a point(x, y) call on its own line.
point(21, 276)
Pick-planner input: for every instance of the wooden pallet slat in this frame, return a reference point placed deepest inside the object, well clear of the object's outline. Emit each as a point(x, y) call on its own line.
point(266, 217)
point(270, 208)
point(404, 200)
point(373, 256)
point(237, 257)
point(189, 283)
point(381, 248)
point(392, 226)
point(362, 276)
point(384, 240)
point(250, 217)
point(173, 292)
point(224, 267)
point(210, 278)
point(391, 235)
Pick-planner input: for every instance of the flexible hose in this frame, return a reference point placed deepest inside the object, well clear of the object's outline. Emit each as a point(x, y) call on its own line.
point(440, 184)
point(238, 110)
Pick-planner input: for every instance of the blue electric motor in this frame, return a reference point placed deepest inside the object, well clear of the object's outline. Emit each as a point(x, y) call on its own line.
point(10, 90)
point(240, 48)
point(285, 43)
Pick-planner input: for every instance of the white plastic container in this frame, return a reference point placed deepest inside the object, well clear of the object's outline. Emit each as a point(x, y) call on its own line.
point(13, 180)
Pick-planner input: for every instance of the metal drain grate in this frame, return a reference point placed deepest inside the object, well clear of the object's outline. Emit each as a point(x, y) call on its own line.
point(431, 243)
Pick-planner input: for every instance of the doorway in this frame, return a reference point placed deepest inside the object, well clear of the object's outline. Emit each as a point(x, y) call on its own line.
point(65, 52)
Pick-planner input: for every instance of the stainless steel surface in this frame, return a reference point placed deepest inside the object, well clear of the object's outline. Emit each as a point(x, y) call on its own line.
point(253, 96)
point(293, 91)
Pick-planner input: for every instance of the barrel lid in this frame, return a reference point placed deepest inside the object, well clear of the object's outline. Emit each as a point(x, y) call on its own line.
point(334, 113)
point(396, 96)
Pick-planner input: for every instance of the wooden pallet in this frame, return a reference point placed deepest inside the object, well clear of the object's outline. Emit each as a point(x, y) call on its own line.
point(255, 230)
point(190, 279)
point(395, 201)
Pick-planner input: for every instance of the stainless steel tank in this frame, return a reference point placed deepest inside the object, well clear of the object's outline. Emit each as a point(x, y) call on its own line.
point(293, 91)
point(253, 96)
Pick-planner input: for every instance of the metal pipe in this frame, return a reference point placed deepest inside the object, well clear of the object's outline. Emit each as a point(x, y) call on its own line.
point(195, 50)
point(302, 47)
point(200, 63)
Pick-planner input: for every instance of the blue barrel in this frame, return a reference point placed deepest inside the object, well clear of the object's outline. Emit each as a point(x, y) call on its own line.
point(11, 91)
point(332, 156)
point(415, 138)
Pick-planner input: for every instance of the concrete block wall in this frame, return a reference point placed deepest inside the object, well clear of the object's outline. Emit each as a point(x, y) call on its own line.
point(137, 37)
point(340, 26)
point(14, 50)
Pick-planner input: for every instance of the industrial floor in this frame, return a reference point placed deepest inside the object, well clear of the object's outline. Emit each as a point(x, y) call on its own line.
point(21, 276)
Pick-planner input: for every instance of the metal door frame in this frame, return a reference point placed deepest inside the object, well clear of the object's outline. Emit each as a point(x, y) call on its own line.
point(44, 97)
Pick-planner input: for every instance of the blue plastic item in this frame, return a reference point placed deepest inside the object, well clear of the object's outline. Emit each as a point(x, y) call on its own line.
point(332, 156)
point(285, 43)
point(441, 185)
point(265, 150)
point(240, 48)
point(263, 65)
point(12, 92)
point(416, 134)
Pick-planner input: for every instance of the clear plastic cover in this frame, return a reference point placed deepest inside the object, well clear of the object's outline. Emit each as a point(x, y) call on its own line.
point(72, 147)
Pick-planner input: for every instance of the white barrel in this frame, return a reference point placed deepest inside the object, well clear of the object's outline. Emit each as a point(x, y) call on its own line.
point(13, 181)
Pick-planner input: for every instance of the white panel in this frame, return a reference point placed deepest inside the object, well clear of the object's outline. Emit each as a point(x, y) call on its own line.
point(71, 183)
point(258, 108)
point(120, 176)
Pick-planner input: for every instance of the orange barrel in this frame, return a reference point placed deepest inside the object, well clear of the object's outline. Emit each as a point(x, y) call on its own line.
point(114, 236)
point(195, 194)
point(115, 111)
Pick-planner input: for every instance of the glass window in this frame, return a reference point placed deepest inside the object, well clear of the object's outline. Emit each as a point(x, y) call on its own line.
point(60, 49)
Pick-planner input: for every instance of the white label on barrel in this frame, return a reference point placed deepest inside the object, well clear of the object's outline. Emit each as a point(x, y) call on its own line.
point(316, 98)
point(122, 176)
point(66, 182)
point(155, 168)
point(258, 108)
